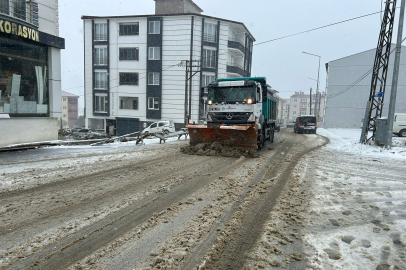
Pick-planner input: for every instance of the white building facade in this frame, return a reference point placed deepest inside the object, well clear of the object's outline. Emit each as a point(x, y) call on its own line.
point(299, 104)
point(135, 65)
point(349, 86)
point(30, 71)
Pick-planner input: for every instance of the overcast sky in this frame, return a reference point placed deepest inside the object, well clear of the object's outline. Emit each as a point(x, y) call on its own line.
point(282, 62)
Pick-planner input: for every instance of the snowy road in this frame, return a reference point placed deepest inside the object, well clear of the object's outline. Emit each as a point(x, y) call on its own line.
point(297, 206)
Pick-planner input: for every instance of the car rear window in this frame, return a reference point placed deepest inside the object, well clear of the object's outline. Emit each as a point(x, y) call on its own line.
point(307, 119)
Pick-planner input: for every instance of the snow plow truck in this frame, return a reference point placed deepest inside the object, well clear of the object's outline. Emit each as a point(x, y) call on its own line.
point(241, 112)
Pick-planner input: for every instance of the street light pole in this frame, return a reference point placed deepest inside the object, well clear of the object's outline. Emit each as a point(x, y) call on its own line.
point(317, 89)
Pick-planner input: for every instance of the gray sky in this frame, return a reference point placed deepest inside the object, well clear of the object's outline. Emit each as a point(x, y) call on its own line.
point(282, 62)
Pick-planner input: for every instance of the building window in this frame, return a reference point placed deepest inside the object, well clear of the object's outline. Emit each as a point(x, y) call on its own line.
point(100, 56)
point(128, 78)
point(16, 8)
point(154, 27)
point(100, 31)
point(303, 106)
point(131, 29)
point(295, 99)
point(64, 99)
point(209, 58)
point(64, 116)
point(154, 53)
point(153, 78)
point(206, 79)
point(210, 32)
point(129, 103)
point(153, 103)
point(73, 101)
point(294, 112)
point(100, 101)
point(64, 107)
point(303, 99)
point(100, 80)
point(302, 112)
point(128, 54)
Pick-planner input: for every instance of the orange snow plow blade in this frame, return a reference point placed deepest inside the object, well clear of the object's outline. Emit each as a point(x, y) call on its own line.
point(233, 136)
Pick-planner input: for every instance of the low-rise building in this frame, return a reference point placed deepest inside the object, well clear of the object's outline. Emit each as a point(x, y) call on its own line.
point(299, 104)
point(70, 111)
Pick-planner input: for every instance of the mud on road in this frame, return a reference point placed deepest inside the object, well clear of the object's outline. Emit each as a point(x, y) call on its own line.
point(146, 209)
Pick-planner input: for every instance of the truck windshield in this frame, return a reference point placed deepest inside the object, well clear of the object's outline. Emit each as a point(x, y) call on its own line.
point(231, 94)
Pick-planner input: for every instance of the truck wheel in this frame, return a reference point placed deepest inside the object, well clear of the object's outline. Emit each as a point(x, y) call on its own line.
point(272, 135)
point(261, 139)
point(166, 132)
point(402, 133)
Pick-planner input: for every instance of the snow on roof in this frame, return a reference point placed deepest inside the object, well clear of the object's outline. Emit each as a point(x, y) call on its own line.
point(67, 94)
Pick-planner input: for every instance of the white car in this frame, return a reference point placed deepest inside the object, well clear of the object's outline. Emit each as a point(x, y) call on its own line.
point(164, 127)
point(399, 124)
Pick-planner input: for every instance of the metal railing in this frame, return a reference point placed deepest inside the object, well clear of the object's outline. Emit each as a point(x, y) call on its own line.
point(100, 37)
point(100, 61)
point(235, 65)
point(100, 85)
point(20, 9)
point(236, 40)
point(210, 38)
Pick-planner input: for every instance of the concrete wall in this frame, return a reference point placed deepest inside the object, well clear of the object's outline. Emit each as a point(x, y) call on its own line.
point(48, 12)
point(175, 7)
point(348, 108)
point(26, 130)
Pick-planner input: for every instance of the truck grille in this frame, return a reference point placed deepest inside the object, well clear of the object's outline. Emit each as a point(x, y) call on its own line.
point(230, 117)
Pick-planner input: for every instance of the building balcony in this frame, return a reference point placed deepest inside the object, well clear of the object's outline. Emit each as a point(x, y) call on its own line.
point(100, 61)
point(210, 38)
point(23, 10)
point(236, 44)
point(236, 68)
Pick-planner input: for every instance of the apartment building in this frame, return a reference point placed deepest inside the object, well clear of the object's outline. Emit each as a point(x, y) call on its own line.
point(70, 109)
point(299, 104)
point(135, 66)
point(30, 71)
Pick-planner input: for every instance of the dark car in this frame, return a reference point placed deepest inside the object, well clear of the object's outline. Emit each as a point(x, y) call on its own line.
point(305, 124)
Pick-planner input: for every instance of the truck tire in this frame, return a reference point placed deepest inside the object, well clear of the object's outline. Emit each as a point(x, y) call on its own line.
point(261, 139)
point(271, 135)
point(402, 133)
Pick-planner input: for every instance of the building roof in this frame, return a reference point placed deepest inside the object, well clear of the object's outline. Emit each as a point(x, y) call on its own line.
point(67, 94)
point(87, 17)
point(201, 10)
point(392, 46)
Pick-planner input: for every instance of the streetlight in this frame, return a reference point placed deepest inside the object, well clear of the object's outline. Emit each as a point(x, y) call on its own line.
point(317, 90)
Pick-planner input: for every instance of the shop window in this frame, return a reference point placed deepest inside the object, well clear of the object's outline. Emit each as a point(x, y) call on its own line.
point(153, 103)
point(154, 27)
point(129, 103)
point(23, 78)
point(128, 78)
point(130, 29)
point(153, 78)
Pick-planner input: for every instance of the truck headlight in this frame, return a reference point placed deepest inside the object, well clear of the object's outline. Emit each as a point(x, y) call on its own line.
point(249, 101)
point(209, 102)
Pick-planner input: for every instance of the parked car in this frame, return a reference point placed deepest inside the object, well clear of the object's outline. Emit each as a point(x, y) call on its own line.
point(83, 133)
point(277, 126)
point(399, 124)
point(97, 133)
point(305, 124)
point(164, 127)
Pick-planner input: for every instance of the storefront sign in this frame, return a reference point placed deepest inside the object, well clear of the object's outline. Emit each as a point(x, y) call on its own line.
point(18, 30)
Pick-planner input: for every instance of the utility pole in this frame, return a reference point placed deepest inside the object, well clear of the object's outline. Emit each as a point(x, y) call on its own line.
point(189, 73)
point(310, 105)
point(317, 90)
point(374, 106)
point(392, 104)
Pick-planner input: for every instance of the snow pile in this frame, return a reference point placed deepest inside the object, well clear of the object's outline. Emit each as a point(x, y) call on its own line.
point(347, 140)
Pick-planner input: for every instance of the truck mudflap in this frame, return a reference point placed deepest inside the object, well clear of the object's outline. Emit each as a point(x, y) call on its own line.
point(233, 136)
